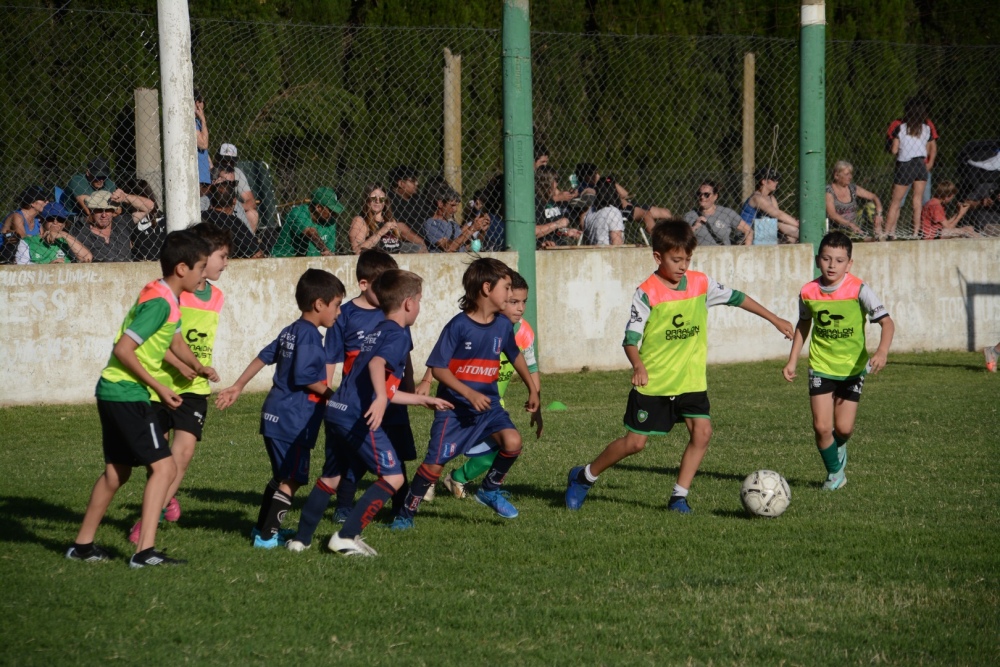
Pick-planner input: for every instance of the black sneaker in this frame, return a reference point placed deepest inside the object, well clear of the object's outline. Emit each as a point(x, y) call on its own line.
point(95, 555)
point(151, 557)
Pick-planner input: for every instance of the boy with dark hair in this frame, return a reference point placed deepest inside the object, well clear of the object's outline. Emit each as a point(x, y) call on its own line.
point(838, 360)
point(666, 343)
point(131, 436)
point(481, 456)
point(293, 409)
point(344, 341)
point(200, 312)
point(466, 363)
point(357, 409)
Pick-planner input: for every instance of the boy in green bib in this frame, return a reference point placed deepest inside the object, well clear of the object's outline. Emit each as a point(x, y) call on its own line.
point(666, 343)
point(837, 303)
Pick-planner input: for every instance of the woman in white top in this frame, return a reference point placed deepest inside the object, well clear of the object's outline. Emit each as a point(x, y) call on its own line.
point(915, 151)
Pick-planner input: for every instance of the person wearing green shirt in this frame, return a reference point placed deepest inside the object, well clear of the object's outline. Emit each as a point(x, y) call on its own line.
point(54, 245)
point(81, 186)
point(310, 230)
point(666, 343)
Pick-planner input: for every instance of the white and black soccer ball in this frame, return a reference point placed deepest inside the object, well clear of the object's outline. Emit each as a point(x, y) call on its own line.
point(765, 493)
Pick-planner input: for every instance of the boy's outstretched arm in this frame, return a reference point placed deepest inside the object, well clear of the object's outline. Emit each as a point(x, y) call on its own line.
point(124, 351)
point(480, 402)
point(878, 360)
point(751, 306)
point(186, 356)
point(229, 395)
point(534, 400)
point(409, 398)
point(640, 378)
point(798, 340)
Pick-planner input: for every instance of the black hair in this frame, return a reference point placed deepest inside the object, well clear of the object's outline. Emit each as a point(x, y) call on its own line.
point(766, 173)
point(606, 194)
point(372, 263)
point(217, 237)
point(317, 284)
point(394, 286)
point(585, 172)
point(480, 271)
point(517, 281)
point(182, 247)
point(915, 115)
point(836, 240)
point(540, 150)
point(673, 234)
point(222, 194)
point(402, 173)
point(710, 183)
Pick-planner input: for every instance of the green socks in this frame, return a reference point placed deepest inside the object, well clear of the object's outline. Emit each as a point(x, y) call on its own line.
point(476, 466)
point(830, 458)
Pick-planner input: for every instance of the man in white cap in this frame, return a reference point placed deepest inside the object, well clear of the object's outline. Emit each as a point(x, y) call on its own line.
point(246, 201)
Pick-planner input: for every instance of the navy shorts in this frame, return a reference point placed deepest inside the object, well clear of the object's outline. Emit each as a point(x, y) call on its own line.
point(130, 433)
point(189, 417)
point(656, 415)
point(909, 172)
point(453, 434)
point(353, 439)
point(848, 389)
point(288, 460)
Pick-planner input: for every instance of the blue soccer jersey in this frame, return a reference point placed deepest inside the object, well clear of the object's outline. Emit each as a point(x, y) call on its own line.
point(356, 393)
point(471, 351)
point(291, 412)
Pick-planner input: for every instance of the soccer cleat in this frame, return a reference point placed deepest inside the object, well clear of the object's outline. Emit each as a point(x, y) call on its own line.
point(497, 501)
point(173, 510)
point(429, 496)
point(273, 543)
point(284, 534)
point(679, 504)
point(152, 557)
point(457, 488)
point(133, 535)
point(296, 546)
point(991, 358)
point(350, 547)
point(576, 492)
point(400, 523)
point(340, 516)
point(96, 555)
point(835, 480)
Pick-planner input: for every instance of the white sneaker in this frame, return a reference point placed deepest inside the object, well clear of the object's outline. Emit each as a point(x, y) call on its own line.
point(296, 546)
point(429, 496)
point(352, 547)
point(457, 488)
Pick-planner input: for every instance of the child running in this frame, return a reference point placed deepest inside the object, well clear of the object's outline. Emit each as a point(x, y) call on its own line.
point(200, 312)
point(293, 409)
point(131, 434)
point(838, 302)
point(466, 362)
point(666, 342)
point(356, 412)
point(480, 457)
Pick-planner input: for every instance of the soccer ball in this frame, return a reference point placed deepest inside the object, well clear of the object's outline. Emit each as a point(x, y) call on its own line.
point(765, 493)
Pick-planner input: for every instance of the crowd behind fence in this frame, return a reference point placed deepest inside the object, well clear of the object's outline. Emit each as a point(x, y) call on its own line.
point(295, 109)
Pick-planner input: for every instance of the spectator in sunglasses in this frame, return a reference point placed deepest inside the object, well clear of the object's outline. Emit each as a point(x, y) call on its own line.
point(54, 245)
point(377, 227)
point(246, 200)
point(714, 224)
point(105, 233)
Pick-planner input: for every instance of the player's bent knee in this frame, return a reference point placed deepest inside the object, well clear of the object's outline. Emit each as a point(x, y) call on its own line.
point(395, 481)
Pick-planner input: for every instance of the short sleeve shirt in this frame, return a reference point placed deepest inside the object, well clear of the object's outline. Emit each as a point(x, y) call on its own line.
point(436, 230)
point(388, 341)
point(598, 225)
point(118, 248)
point(911, 147)
point(291, 242)
point(471, 351)
point(719, 228)
point(79, 185)
point(244, 244)
point(931, 218)
point(291, 412)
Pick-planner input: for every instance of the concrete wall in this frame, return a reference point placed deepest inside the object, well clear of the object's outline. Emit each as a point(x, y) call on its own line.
point(58, 322)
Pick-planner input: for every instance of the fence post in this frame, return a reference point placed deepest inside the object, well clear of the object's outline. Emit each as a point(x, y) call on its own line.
point(179, 143)
point(518, 149)
point(812, 122)
point(453, 123)
point(148, 158)
point(749, 107)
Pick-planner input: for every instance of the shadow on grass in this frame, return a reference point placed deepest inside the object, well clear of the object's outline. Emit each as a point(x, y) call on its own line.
point(17, 513)
point(662, 470)
point(249, 497)
point(978, 368)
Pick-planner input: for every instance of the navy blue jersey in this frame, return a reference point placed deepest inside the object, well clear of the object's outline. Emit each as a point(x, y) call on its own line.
point(356, 393)
point(471, 351)
point(291, 412)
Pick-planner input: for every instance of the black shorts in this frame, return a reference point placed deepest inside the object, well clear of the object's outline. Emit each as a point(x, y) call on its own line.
point(848, 389)
point(656, 415)
point(190, 417)
point(131, 434)
point(909, 172)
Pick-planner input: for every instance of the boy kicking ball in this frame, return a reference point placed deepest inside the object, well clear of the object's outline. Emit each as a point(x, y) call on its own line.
point(666, 343)
point(837, 302)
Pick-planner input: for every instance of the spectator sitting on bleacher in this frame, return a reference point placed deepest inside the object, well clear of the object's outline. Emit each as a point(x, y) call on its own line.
point(54, 245)
point(762, 203)
point(97, 177)
point(935, 223)
point(441, 231)
point(842, 205)
point(221, 213)
point(406, 206)
point(105, 233)
point(376, 227)
point(552, 223)
point(246, 200)
point(310, 230)
point(714, 224)
point(24, 220)
point(603, 224)
point(588, 175)
point(149, 231)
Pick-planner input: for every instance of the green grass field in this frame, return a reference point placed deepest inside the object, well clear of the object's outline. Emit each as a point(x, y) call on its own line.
point(900, 567)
